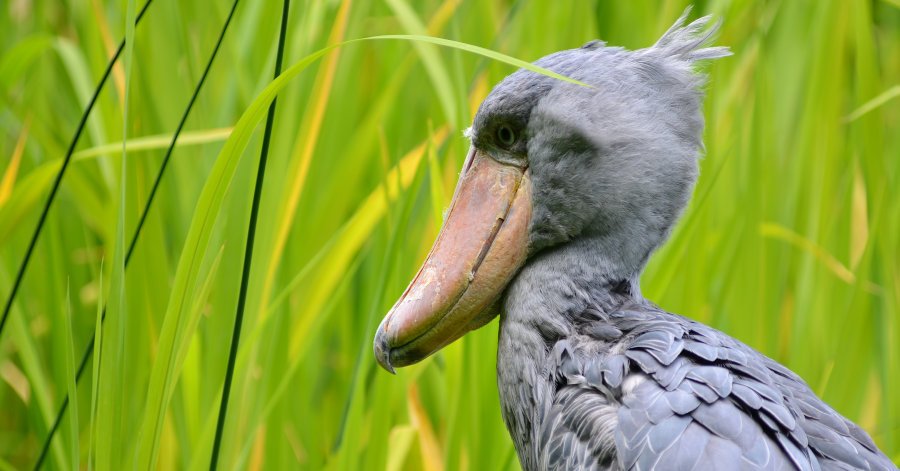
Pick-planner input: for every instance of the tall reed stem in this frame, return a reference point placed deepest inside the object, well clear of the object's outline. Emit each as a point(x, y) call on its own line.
point(248, 250)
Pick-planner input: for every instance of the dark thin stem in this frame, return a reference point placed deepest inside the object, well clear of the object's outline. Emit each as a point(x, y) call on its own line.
point(248, 250)
point(59, 176)
point(88, 351)
point(184, 117)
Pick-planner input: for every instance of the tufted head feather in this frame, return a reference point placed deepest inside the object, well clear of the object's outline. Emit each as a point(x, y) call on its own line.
point(685, 42)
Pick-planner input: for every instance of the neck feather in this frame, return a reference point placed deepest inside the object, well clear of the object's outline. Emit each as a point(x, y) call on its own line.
point(558, 284)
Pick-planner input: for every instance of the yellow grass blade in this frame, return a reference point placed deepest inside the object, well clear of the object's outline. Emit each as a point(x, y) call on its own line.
point(874, 103)
point(9, 176)
point(303, 149)
point(158, 141)
point(432, 456)
point(354, 233)
point(839, 270)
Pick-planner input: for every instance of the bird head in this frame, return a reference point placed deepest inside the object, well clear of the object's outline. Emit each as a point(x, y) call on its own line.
point(552, 162)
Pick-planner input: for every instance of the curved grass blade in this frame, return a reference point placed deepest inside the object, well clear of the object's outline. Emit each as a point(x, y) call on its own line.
point(488, 53)
point(158, 141)
point(56, 183)
point(133, 243)
point(829, 261)
point(29, 188)
point(248, 250)
point(18, 58)
point(874, 103)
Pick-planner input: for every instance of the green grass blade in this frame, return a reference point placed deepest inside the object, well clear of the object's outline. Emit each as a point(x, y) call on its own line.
point(73, 391)
point(874, 103)
point(114, 389)
point(17, 60)
point(95, 375)
point(28, 353)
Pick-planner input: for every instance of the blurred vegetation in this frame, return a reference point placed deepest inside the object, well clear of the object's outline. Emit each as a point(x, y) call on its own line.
point(791, 244)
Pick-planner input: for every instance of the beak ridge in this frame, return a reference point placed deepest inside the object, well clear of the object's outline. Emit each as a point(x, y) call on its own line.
point(481, 246)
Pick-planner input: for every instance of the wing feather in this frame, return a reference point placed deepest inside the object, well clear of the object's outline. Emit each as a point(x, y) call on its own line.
point(643, 389)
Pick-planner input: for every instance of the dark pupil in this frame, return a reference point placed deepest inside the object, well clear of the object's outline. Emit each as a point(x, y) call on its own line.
point(505, 135)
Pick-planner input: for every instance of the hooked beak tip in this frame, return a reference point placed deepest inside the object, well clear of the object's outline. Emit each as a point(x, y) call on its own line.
point(383, 351)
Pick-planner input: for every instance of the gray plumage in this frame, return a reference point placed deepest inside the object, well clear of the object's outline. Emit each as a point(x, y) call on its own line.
point(591, 375)
point(669, 393)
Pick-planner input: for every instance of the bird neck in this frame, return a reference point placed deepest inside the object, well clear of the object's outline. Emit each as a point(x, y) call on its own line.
point(542, 305)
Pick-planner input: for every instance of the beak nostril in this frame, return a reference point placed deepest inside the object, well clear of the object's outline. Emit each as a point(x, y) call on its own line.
point(469, 159)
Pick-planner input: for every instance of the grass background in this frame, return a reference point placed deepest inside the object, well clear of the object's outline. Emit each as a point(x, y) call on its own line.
point(791, 244)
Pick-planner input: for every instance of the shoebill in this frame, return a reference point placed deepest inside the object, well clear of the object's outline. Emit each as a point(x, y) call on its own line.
point(566, 192)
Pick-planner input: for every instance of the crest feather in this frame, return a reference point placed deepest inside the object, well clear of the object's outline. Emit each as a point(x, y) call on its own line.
point(686, 42)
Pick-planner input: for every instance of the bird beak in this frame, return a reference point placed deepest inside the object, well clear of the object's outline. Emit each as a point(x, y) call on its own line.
point(481, 246)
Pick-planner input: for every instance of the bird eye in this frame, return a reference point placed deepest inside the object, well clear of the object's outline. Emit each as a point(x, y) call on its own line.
point(506, 137)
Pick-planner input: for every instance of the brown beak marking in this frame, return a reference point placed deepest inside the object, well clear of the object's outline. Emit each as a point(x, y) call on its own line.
point(482, 245)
